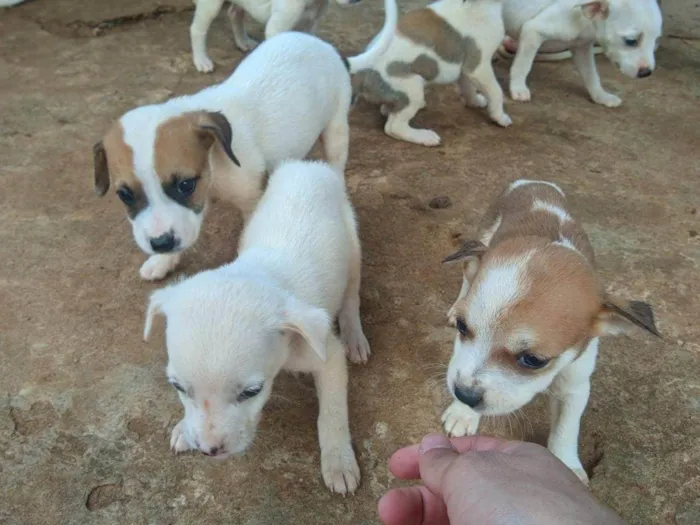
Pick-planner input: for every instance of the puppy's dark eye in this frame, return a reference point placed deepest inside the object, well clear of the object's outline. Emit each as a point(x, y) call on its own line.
point(462, 328)
point(178, 387)
point(631, 42)
point(186, 187)
point(528, 360)
point(126, 195)
point(249, 393)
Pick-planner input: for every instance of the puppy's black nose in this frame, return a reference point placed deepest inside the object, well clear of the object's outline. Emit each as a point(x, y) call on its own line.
point(469, 396)
point(213, 451)
point(163, 244)
point(644, 72)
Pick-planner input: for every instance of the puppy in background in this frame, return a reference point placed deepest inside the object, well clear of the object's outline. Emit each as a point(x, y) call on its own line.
point(230, 331)
point(626, 30)
point(276, 15)
point(165, 161)
point(529, 316)
point(448, 41)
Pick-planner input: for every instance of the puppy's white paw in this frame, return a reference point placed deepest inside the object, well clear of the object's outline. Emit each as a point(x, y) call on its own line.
point(606, 99)
point(479, 101)
point(459, 420)
point(502, 120)
point(203, 63)
point(356, 345)
point(520, 93)
point(158, 266)
point(341, 472)
point(178, 441)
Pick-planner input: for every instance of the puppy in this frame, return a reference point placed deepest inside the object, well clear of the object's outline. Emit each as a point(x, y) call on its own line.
point(529, 316)
point(166, 160)
point(448, 41)
point(626, 30)
point(231, 330)
point(277, 15)
point(10, 3)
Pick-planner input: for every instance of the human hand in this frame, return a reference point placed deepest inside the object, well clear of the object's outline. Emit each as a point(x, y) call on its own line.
point(487, 481)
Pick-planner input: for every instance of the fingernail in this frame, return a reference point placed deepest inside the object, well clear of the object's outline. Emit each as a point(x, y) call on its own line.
point(433, 441)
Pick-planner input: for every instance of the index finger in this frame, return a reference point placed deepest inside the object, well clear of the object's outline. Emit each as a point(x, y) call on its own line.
point(404, 462)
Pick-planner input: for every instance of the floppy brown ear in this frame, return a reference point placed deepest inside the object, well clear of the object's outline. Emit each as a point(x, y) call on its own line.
point(214, 126)
point(470, 256)
point(99, 158)
point(598, 10)
point(617, 317)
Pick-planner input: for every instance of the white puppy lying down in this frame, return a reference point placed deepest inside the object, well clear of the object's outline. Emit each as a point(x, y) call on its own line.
point(277, 15)
point(231, 330)
point(627, 31)
point(166, 161)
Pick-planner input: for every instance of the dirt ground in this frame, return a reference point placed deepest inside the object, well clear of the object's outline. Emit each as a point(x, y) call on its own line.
point(85, 410)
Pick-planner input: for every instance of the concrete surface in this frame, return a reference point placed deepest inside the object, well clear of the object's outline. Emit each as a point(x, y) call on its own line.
point(85, 412)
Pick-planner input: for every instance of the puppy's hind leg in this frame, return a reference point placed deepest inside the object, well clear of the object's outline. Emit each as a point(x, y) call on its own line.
point(237, 17)
point(484, 77)
point(338, 464)
point(356, 345)
point(204, 15)
point(285, 15)
point(336, 139)
point(467, 90)
point(398, 123)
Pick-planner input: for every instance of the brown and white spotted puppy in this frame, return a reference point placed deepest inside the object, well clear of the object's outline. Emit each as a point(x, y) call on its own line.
point(529, 316)
point(448, 41)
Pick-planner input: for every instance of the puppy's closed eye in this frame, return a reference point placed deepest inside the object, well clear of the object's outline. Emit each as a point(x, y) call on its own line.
point(178, 387)
point(249, 393)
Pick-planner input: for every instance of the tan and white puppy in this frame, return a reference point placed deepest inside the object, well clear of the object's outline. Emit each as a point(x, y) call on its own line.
point(529, 316)
point(231, 330)
point(277, 15)
point(448, 41)
point(626, 30)
point(167, 160)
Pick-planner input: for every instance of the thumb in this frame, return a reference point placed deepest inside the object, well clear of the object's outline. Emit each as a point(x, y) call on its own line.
point(436, 455)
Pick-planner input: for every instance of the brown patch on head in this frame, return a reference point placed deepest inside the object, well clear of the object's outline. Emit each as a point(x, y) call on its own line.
point(425, 27)
point(206, 406)
point(114, 163)
point(181, 155)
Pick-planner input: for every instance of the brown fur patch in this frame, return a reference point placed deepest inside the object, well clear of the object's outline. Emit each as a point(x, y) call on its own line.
point(427, 28)
point(423, 66)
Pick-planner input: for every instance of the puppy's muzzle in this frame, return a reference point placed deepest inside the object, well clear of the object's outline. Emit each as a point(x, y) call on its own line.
point(165, 243)
point(472, 397)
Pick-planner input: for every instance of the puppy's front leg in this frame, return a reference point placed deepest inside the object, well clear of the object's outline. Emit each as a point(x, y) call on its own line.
point(285, 15)
point(484, 77)
point(569, 397)
point(204, 15)
point(584, 60)
point(158, 266)
point(460, 420)
point(237, 17)
point(531, 39)
point(338, 464)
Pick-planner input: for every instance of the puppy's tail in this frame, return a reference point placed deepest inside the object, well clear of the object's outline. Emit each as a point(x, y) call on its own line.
point(381, 42)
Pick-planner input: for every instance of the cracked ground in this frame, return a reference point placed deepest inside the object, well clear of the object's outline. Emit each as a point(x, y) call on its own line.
point(85, 410)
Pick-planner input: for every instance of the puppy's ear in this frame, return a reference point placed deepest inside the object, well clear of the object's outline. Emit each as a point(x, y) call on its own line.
point(214, 126)
point(618, 316)
point(598, 10)
point(99, 158)
point(155, 306)
point(312, 323)
point(470, 256)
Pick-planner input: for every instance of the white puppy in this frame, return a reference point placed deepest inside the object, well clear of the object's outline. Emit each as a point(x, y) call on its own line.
point(277, 15)
point(231, 330)
point(166, 160)
point(627, 31)
point(10, 3)
point(448, 41)
point(529, 316)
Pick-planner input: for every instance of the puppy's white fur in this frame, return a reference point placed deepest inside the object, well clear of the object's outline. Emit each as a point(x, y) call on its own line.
point(612, 24)
point(529, 291)
point(478, 21)
point(293, 89)
point(276, 15)
point(231, 330)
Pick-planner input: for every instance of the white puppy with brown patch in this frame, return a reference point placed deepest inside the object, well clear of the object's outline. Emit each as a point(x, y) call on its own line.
point(230, 331)
point(167, 160)
point(448, 41)
point(626, 30)
point(529, 316)
point(277, 15)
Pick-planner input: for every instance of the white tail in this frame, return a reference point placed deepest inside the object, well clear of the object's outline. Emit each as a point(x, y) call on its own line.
point(382, 41)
